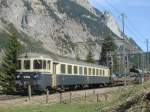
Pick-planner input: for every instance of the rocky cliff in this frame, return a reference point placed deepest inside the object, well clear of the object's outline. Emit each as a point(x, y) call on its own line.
point(110, 21)
point(64, 27)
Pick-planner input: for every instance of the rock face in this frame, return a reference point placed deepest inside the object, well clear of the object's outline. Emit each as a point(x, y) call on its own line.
point(112, 24)
point(64, 27)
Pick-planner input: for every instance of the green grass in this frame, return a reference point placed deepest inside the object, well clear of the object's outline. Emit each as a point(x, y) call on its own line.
point(73, 107)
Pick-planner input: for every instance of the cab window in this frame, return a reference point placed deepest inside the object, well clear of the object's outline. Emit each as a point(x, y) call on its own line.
point(18, 64)
point(26, 64)
point(37, 64)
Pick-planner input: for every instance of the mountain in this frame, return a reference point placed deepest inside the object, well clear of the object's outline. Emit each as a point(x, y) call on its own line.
point(64, 27)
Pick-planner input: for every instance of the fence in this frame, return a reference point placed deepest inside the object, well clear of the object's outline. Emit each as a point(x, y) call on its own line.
point(69, 97)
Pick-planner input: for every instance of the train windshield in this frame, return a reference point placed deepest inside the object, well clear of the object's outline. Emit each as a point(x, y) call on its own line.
point(27, 64)
point(37, 64)
point(41, 64)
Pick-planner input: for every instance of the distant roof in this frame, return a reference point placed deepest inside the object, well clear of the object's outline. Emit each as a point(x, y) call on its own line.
point(57, 58)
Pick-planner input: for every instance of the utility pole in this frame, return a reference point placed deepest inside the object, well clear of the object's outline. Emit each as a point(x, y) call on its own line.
point(123, 24)
point(110, 63)
point(147, 55)
point(124, 48)
point(145, 62)
point(142, 75)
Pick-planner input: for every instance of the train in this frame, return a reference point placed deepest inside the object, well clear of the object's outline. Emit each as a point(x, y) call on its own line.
point(55, 72)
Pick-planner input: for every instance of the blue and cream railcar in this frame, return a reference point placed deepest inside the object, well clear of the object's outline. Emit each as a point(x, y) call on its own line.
point(51, 72)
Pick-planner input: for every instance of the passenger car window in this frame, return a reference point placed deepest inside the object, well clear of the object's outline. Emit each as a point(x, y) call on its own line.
point(100, 72)
point(69, 69)
point(26, 64)
point(93, 71)
point(75, 70)
point(80, 70)
point(96, 71)
point(89, 71)
point(103, 72)
point(63, 68)
point(85, 71)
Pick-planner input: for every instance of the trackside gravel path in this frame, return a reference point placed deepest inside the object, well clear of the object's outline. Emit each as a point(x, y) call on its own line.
point(52, 98)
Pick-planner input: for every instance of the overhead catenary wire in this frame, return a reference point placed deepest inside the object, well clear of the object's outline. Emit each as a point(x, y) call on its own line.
point(128, 22)
point(112, 7)
point(139, 33)
point(135, 34)
point(133, 29)
point(117, 11)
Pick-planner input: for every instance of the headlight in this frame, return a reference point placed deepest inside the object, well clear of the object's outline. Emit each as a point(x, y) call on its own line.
point(18, 76)
point(36, 76)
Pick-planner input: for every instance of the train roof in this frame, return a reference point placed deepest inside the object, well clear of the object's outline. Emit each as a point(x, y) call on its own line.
point(60, 59)
point(35, 55)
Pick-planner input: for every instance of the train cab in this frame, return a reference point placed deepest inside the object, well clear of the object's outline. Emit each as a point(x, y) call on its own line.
point(33, 70)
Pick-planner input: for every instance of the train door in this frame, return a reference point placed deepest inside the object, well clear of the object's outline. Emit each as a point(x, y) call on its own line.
point(54, 82)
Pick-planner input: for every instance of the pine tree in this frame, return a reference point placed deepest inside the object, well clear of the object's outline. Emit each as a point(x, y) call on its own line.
point(89, 57)
point(108, 45)
point(9, 64)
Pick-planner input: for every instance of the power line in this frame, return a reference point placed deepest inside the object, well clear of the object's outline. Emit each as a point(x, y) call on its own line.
point(115, 10)
point(147, 54)
point(112, 7)
point(118, 11)
point(134, 33)
point(131, 24)
point(99, 4)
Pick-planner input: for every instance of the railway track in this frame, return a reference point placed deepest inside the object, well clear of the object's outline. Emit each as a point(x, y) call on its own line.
point(10, 97)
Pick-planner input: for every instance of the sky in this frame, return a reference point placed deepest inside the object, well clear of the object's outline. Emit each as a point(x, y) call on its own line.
point(137, 20)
